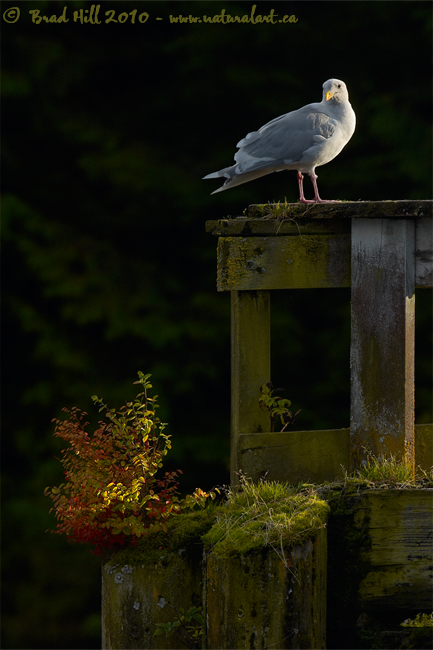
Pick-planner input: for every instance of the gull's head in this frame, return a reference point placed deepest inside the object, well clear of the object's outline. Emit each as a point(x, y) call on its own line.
point(335, 90)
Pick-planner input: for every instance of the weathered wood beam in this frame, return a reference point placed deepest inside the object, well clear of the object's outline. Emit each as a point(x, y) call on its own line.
point(308, 256)
point(382, 340)
point(274, 219)
point(250, 365)
point(296, 262)
point(311, 456)
point(295, 456)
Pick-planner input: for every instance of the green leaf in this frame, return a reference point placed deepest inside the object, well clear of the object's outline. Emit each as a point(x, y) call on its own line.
point(159, 629)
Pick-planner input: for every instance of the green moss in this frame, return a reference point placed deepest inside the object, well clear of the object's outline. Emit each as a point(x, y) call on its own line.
point(267, 514)
point(183, 530)
point(273, 514)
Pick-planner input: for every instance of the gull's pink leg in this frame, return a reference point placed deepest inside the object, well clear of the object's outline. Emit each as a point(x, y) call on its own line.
point(302, 198)
point(317, 198)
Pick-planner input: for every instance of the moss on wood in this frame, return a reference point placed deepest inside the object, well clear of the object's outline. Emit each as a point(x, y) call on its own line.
point(183, 530)
point(265, 515)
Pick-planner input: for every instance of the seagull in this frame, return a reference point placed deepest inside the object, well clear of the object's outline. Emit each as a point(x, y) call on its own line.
point(301, 140)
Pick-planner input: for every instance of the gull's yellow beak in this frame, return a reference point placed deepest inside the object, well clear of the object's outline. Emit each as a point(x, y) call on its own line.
point(329, 95)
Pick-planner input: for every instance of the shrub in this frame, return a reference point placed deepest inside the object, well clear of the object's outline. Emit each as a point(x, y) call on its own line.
point(112, 493)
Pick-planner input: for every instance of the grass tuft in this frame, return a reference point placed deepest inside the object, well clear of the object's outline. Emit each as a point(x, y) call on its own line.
point(265, 514)
point(388, 472)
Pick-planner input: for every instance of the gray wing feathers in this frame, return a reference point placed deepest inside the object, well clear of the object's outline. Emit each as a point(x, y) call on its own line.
point(221, 172)
point(286, 139)
point(282, 141)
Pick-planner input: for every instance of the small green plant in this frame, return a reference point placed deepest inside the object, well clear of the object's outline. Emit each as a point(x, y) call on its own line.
point(277, 406)
point(420, 620)
point(187, 626)
point(112, 493)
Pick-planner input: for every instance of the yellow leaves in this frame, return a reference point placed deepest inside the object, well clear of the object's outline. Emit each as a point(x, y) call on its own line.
point(111, 488)
point(199, 497)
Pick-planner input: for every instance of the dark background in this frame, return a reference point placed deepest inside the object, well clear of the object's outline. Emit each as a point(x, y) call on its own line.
point(107, 131)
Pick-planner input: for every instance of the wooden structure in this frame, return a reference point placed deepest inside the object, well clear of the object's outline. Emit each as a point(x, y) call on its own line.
point(259, 600)
point(383, 251)
point(374, 557)
point(353, 582)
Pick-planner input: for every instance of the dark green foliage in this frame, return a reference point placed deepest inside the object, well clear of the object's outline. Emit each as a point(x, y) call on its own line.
point(187, 626)
point(107, 131)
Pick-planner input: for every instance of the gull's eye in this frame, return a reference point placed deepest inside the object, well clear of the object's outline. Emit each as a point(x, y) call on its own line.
point(338, 85)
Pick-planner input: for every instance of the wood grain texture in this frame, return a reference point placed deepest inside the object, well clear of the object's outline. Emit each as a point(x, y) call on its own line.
point(311, 456)
point(382, 339)
point(424, 253)
point(303, 256)
point(332, 215)
point(292, 262)
point(250, 365)
point(261, 601)
point(131, 593)
point(400, 557)
point(294, 456)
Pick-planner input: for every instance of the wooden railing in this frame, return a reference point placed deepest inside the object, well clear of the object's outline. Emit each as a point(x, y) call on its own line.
point(383, 251)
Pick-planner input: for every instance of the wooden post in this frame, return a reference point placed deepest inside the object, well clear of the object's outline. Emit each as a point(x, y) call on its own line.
point(269, 599)
point(251, 365)
point(134, 593)
point(382, 341)
point(379, 561)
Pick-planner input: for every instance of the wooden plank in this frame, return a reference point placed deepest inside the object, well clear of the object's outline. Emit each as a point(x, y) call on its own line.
point(297, 262)
point(295, 456)
point(382, 341)
point(311, 456)
point(407, 209)
point(250, 365)
point(303, 261)
point(244, 227)
point(399, 554)
point(261, 222)
point(424, 253)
